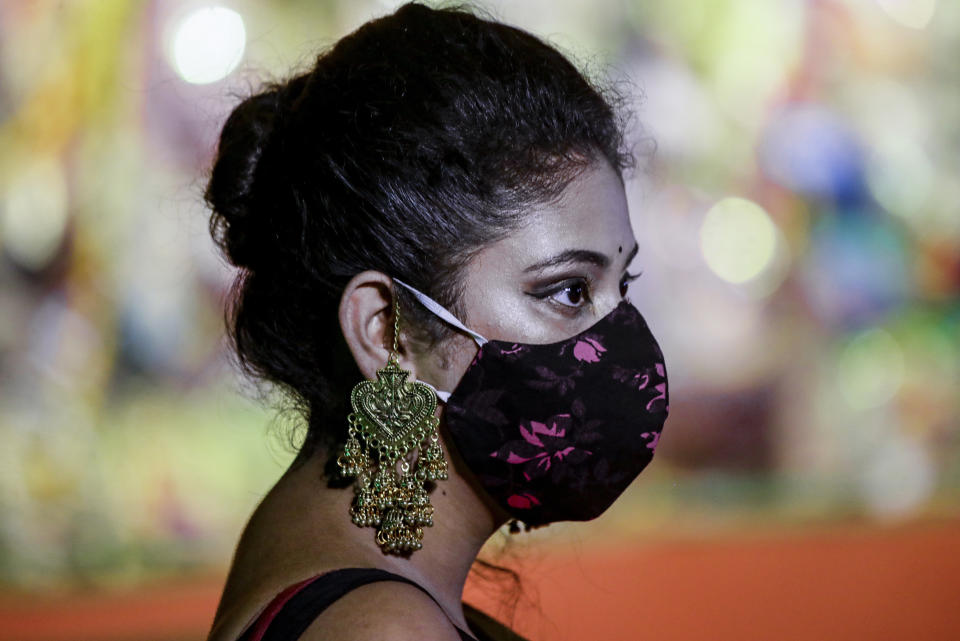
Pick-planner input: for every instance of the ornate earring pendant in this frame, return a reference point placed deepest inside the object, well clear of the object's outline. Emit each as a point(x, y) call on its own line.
point(391, 419)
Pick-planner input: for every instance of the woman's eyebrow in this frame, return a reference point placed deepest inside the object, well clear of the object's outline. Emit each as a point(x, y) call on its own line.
point(579, 256)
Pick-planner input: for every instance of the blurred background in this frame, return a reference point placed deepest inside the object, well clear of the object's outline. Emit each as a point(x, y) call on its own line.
point(800, 243)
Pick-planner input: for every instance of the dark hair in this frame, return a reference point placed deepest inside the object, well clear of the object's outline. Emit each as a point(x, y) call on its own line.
point(412, 143)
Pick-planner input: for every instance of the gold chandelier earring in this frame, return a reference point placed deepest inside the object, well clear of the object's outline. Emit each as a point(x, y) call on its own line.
point(391, 419)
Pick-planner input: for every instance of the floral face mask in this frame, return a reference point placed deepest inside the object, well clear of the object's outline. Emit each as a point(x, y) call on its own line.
point(557, 431)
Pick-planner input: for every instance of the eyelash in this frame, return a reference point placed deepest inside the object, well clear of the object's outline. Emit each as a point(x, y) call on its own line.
point(585, 284)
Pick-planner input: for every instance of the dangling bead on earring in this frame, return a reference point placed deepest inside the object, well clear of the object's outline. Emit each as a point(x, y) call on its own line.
point(391, 418)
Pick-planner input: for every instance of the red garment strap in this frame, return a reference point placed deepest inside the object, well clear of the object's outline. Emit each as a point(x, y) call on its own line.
point(267, 615)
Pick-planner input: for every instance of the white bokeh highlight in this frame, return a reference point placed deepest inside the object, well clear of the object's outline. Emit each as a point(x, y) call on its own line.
point(208, 44)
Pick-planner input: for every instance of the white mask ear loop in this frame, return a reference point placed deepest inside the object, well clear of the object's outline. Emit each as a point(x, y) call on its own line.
point(443, 396)
point(440, 311)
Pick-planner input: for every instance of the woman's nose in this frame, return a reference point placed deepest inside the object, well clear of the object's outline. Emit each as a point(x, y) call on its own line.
point(605, 303)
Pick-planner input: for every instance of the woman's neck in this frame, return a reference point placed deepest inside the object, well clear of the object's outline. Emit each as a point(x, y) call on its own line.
point(307, 522)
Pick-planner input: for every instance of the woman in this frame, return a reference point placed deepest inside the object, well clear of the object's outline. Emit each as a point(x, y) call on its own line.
point(433, 238)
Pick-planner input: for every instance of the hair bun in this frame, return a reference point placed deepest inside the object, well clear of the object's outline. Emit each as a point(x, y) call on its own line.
point(237, 224)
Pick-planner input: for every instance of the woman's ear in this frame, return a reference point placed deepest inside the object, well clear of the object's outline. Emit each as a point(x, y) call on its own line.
point(366, 319)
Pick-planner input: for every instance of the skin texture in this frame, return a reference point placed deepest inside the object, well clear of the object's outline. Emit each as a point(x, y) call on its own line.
point(302, 527)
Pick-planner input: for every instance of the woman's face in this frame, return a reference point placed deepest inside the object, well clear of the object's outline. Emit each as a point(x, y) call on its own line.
point(557, 275)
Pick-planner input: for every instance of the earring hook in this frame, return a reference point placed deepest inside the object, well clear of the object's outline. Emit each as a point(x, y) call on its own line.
point(396, 329)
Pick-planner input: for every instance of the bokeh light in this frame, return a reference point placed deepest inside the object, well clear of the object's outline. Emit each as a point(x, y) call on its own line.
point(870, 369)
point(737, 239)
point(915, 14)
point(901, 175)
point(899, 476)
point(33, 213)
point(743, 81)
point(208, 44)
point(854, 270)
point(810, 149)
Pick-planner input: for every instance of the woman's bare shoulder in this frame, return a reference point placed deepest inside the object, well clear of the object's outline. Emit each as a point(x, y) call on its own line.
point(383, 610)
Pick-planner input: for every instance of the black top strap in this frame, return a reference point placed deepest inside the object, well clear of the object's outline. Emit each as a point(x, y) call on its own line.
point(299, 612)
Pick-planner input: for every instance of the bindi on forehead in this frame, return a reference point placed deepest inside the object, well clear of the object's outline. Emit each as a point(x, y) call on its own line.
point(619, 249)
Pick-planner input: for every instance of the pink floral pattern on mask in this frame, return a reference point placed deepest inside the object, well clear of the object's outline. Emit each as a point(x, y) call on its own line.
point(654, 439)
point(541, 447)
point(523, 501)
point(588, 349)
point(641, 379)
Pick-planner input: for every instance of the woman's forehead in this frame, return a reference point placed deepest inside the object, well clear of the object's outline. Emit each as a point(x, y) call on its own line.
point(591, 215)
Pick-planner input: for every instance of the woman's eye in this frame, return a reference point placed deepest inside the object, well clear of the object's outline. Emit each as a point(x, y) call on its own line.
point(625, 282)
point(571, 295)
